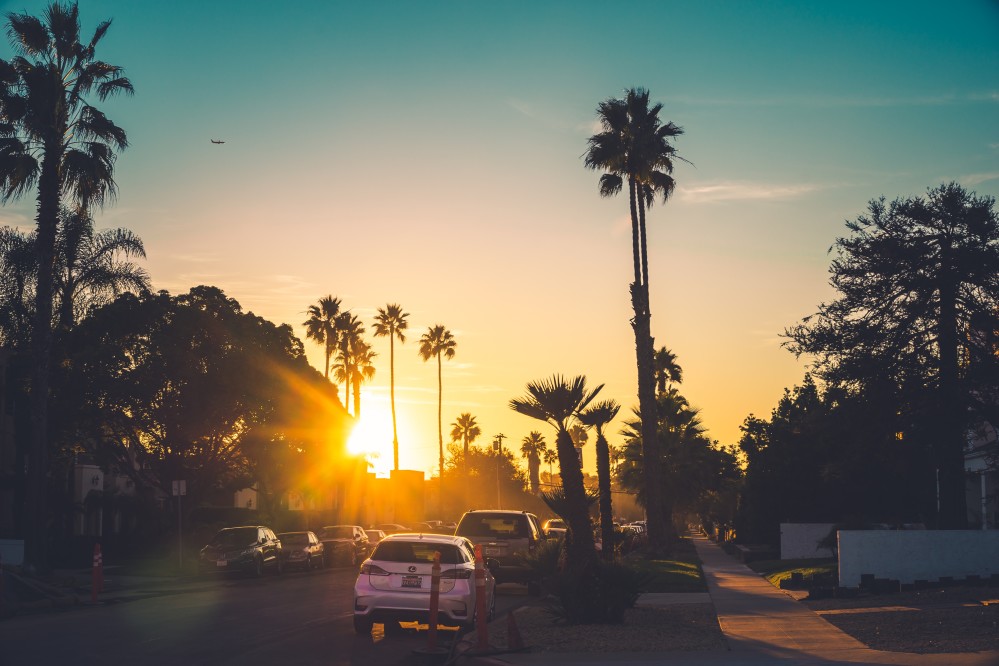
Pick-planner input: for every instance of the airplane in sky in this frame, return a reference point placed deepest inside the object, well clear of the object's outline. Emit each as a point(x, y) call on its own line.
point(217, 141)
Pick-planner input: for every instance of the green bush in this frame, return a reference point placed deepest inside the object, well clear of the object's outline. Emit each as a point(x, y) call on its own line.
point(600, 596)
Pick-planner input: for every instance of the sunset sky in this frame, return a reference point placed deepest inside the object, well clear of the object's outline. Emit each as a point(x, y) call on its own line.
point(430, 154)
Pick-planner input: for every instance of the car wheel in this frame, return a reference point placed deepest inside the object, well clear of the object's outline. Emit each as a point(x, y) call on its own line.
point(362, 626)
point(258, 566)
point(352, 558)
point(308, 563)
point(492, 608)
point(279, 569)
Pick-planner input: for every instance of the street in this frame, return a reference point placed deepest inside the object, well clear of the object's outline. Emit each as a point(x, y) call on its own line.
point(295, 618)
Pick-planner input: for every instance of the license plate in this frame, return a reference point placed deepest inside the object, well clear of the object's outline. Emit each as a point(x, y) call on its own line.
point(221, 563)
point(412, 581)
point(491, 551)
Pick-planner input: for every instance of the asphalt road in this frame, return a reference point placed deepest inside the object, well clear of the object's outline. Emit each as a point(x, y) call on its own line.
point(295, 618)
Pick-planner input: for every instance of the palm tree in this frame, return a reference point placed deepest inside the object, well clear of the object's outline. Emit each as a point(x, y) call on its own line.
point(598, 416)
point(92, 267)
point(579, 439)
point(361, 369)
point(349, 330)
point(439, 342)
point(557, 401)
point(392, 321)
point(18, 270)
point(532, 447)
point(668, 371)
point(550, 456)
point(466, 430)
point(50, 135)
point(321, 326)
point(634, 145)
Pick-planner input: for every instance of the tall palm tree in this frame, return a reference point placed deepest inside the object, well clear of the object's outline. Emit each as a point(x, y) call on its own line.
point(321, 327)
point(466, 430)
point(392, 321)
point(550, 456)
point(92, 267)
point(50, 135)
point(668, 371)
point(349, 330)
point(532, 447)
point(598, 416)
point(438, 342)
point(634, 146)
point(361, 369)
point(558, 401)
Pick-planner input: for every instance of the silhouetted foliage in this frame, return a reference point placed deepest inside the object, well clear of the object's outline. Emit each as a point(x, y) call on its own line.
point(916, 318)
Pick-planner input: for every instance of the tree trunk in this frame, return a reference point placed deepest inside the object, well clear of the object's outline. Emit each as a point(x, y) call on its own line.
point(951, 438)
point(395, 434)
point(580, 549)
point(606, 510)
point(36, 553)
point(440, 434)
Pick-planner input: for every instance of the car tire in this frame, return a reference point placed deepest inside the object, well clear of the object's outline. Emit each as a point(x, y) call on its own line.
point(258, 566)
point(308, 564)
point(352, 558)
point(492, 609)
point(279, 568)
point(362, 626)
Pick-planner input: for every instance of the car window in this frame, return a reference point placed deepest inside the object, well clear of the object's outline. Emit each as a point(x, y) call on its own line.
point(239, 536)
point(337, 532)
point(294, 538)
point(491, 525)
point(416, 551)
point(469, 550)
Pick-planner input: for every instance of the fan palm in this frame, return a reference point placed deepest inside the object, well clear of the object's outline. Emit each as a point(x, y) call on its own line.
point(634, 147)
point(391, 321)
point(18, 270)
point(668, 371)
point(321, 327)
point(349, 330)
point(438, 342)
point(465, 430)
point(532, 447)
point(550, 456)
point(558, 401)
point(598, 416)
point(579, 439)
point(92, 267)
point(361, 369)
point(50, 135)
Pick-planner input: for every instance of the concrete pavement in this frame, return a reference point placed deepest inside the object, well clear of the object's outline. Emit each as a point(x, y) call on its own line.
point(762, 626)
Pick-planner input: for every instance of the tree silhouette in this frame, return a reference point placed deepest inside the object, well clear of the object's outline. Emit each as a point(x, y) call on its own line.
point(598, 416)
point(391, 321)
point(465, 430)
point(321, 327)
point(532, 447)
point(438, 342)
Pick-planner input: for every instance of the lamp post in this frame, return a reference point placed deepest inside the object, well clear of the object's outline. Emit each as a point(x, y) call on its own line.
point(498, 447)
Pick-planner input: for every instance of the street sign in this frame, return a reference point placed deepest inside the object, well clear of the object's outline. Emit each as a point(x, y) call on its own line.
point(179, 488)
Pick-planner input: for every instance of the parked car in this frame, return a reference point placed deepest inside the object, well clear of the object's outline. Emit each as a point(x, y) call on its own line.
point(554, 528)
point(393, 585)
point(302, 550)
point(248, 549)
point(508, 537)
point(392, 528)
point(344, 544)
point(374, 536)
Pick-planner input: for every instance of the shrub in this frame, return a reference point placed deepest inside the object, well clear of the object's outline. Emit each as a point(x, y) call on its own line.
point(600, 596)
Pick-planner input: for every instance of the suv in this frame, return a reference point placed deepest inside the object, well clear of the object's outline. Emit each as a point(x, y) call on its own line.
point(250, 549)
point(507, 537)
point(344, 544)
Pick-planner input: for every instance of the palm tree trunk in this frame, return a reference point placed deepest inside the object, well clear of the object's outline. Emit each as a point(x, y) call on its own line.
point(36, 554)
point(580, 549)
point(440, 432)
point(635, 233)
point(395, 434)
point(357, 398)
point(604, 484)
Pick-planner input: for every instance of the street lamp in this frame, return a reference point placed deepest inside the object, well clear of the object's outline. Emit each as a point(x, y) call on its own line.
point(498, 448)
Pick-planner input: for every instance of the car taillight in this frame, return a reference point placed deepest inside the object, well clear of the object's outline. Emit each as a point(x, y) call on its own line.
point(373, 570)
point(461, 574)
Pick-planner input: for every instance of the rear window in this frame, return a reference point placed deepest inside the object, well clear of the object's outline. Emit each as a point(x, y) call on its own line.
point(416, 551)
point(239, 536)
point(486, 525)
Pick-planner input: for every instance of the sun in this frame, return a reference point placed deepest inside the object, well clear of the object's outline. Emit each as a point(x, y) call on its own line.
point(372, 437)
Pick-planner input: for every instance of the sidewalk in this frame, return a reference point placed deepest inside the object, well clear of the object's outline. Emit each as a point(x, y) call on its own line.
point(762, 626)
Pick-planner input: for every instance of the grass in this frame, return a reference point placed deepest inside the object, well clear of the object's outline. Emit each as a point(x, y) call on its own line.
point(680, 574)
point(777, 570)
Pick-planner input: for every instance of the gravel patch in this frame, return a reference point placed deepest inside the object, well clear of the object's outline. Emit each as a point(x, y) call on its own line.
point(679, 628)
point(933, 621)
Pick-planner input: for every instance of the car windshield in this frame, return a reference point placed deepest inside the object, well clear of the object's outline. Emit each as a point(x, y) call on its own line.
point(294, 537)
point(416, 551)
point(239, 536)
point(556, 522)
point(338, 532)
point(492, 526)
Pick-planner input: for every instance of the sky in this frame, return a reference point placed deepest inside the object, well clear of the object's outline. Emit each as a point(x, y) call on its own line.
point(430, 154)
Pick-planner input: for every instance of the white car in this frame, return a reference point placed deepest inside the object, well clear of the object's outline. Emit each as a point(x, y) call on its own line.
point(394, 582)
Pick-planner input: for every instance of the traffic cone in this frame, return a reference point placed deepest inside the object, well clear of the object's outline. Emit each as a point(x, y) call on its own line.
point(514, 641)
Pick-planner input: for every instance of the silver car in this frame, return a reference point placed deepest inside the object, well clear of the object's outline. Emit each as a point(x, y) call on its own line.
point(394, 583)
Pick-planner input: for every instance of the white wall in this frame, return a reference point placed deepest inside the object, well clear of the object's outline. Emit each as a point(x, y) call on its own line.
point(799, 540)
point(910, 555)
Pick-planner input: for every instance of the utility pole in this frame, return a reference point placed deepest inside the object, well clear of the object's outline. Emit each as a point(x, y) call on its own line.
point(498, 447)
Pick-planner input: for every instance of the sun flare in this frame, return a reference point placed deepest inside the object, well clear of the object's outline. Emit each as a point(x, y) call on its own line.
point(372, 437)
